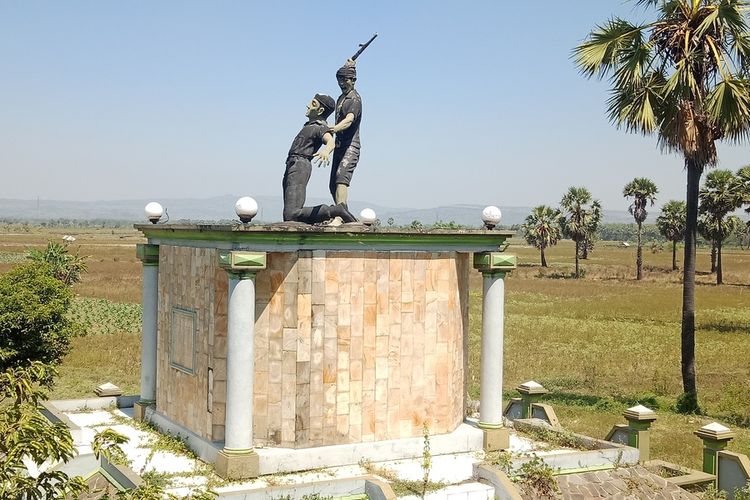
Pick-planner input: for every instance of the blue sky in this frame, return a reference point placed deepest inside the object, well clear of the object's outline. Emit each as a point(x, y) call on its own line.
point(472, 102)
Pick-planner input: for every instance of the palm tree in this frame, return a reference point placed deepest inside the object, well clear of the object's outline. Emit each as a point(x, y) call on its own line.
point(720, 195)
point(743, 180)
point(542, 228)
point(643, 191)
point(683, 77)
point(591, 235)
point(671, 224)
point(580, 221)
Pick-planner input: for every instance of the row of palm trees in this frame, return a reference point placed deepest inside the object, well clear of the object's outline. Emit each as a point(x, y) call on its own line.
point(580, 215)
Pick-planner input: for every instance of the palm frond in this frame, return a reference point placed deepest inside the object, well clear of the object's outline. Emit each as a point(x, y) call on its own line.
point(602, 49)
point(728, 106)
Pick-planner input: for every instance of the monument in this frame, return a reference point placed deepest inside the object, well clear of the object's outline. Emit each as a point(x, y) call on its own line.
point(278, 348)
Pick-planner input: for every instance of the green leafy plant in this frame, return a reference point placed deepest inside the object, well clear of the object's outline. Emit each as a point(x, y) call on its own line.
point(33, 316)
point(101, 316)
point(426, 458)
point(65, 266)
point(538, 479)
point(26, 435)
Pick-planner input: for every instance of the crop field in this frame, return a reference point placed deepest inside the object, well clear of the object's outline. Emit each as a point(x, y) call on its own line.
point(599, 344)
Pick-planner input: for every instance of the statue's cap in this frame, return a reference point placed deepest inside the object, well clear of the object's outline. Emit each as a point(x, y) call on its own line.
point(326, 102)
point(347, 71)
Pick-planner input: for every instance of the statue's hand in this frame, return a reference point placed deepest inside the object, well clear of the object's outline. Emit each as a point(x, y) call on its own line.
point(350, 62)
point(323, 158)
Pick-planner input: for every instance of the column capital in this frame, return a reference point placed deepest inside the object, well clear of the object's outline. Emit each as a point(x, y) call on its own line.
point(147, 253)
point(241, 263)
point(494, 262)
point(715, 435)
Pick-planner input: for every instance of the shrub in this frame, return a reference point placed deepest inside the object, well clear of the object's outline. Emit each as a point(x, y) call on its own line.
point(33, 322)
point(28, 437)
point(65, 266)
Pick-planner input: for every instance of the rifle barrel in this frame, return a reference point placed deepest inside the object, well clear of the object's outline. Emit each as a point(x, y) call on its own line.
point(363, 46)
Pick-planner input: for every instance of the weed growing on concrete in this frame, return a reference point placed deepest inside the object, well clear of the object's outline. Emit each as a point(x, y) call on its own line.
point(426, 458)
point(562, 438)
point(537, 479)
point(500, 459)
point(401, 487)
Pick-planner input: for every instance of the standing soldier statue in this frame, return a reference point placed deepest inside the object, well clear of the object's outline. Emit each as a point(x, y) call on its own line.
point(348, 118)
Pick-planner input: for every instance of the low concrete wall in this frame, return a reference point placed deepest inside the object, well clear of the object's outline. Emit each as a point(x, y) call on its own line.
point(734, 472)
point(504, 487)
point(599, 453)
point(373, 487)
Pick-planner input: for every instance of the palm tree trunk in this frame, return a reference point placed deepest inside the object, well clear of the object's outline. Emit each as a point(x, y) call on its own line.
point(674, 255)
point(639, 257)
point(719, 275)
point(544, 261)
point(713, 257)
point(689, 385)
point(578, 275)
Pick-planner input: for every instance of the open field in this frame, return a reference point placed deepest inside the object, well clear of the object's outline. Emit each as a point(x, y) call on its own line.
point(599, 344)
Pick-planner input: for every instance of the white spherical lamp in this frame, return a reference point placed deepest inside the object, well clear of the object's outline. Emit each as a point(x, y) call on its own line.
point(367, 216)
point(246, 208)
point(154, 211)
point(491, 216)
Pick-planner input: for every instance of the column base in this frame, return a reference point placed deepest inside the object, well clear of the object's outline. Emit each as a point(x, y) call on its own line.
point(230, 465)
point(139, 410)
point(496, 439)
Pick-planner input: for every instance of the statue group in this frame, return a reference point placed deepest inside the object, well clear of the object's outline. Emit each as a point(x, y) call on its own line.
point(318, 142)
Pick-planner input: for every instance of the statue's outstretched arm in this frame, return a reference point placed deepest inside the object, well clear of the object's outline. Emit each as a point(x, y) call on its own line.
point(324, 155)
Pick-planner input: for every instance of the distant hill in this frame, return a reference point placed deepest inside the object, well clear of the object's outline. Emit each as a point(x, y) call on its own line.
point(222, 208)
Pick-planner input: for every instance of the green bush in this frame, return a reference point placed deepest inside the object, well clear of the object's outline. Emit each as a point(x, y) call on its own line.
point(33, 321)
point(65, 266)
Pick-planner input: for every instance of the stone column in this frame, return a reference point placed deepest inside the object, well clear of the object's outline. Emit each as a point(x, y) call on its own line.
point(493, 266)
point(639, 420)
point(715, 438)
point(149, 255)
point(238, 459)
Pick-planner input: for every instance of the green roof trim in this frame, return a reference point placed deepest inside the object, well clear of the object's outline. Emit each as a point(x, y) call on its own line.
point(285, 237)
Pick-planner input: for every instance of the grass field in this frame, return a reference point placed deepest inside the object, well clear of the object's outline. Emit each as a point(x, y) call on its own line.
point(600, 344)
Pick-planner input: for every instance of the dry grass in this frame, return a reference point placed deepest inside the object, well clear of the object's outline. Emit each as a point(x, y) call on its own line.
point(114, 272)
point(599, 343)
point(97, 359)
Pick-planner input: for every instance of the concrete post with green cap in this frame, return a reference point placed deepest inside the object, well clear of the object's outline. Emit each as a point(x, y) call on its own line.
point(149, 256)
point(531, 392)
point(715, 438)
point(493, 266)
point(639, 420)
point(238, 460)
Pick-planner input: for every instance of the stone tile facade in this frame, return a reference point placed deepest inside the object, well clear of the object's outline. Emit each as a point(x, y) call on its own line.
point(349, 346)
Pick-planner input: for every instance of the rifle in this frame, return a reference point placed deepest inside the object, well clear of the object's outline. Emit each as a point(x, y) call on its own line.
point(363, 46)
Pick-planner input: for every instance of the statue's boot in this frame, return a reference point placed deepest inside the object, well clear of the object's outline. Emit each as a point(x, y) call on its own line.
point(340, 210)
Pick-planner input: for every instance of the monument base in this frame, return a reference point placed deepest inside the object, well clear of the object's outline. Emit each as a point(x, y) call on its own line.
point(495, 439)
point(139, 410)
point(244, 465)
